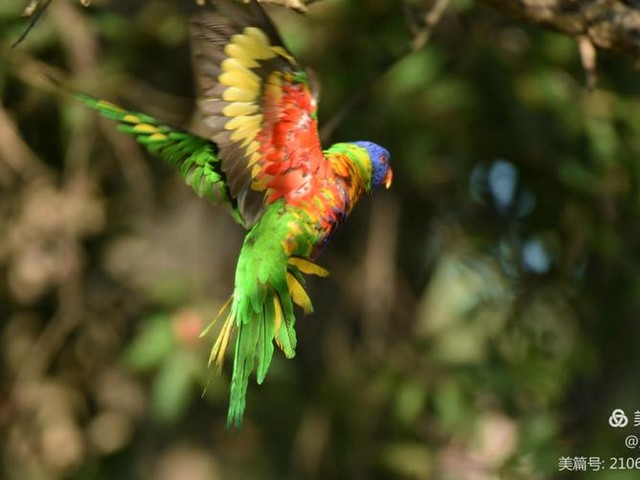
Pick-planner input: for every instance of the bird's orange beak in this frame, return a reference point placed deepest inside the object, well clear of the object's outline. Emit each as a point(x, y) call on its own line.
point(388, 178)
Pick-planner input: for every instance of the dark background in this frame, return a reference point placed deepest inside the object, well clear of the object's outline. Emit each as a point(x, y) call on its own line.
point(481, 320)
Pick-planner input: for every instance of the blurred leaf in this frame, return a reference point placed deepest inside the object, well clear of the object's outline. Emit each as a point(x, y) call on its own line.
point(450, 94)
point(559, 48)
point(412, 460)
point(453, 408)
point(546, 89)
point(415, 72)
point(152, 345)
point(410, 400)
point(603, 138)
point(539, 431)
point(577, 176)
point(173, 386)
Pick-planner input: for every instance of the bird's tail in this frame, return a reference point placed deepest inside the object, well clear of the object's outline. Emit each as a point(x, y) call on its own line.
point(261, 314)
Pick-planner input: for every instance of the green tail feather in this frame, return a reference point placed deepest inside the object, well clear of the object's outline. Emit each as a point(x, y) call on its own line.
point(262, 312)
point(268, 283)
point(194, 157)
point(254, 342)
point(262, 307)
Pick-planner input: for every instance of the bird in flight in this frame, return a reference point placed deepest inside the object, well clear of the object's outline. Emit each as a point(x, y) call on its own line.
point(260, 154)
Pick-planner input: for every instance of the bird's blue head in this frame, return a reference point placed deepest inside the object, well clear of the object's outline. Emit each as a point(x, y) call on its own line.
point(381, 170)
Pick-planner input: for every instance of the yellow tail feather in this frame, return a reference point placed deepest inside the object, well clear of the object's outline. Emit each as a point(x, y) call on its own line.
point(278, 312)
point(224, 307)
point(220, 346)
point(298, 294)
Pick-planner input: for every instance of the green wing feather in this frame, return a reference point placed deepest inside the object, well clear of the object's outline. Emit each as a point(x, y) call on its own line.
point(194, 157)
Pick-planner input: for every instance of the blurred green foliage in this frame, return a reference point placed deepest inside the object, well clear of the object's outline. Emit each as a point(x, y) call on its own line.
point(481, 320)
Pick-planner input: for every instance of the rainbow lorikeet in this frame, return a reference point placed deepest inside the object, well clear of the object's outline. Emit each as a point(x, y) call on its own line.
point(260, 153)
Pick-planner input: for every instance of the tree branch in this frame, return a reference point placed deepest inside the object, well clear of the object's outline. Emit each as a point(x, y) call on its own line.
point(608, 24)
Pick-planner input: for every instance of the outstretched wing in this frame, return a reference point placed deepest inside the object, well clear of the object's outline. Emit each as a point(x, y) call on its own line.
point(255, 102)
point(196, 158)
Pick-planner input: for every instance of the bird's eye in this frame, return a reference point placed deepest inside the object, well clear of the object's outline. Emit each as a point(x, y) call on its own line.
point(383, 159)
